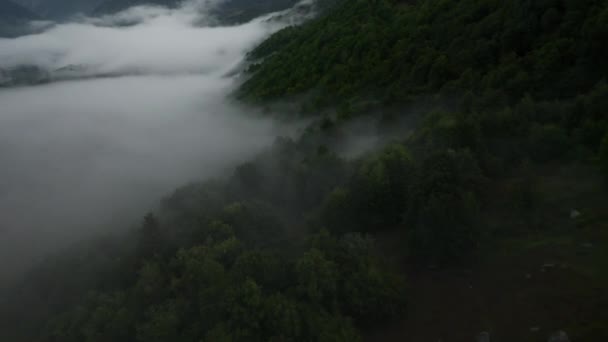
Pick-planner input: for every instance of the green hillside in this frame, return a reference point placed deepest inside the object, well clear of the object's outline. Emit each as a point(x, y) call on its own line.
point(393, 50)
point(482, 207)
point(14, 19)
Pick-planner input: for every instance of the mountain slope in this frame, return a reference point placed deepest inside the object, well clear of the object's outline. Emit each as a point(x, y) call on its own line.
point(13, 18)
point(392, 50)
point(228, 11)
point(239, 11)
point(483, 186)
point(59, 9)
point(12, 11)
point(114, 6)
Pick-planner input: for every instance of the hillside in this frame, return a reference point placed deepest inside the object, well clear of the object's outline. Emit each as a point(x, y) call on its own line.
point(480, 206)
point(392, 51)
point(59, 9)
point(13, 17)
point(11, 11)
point(239, 11)
point(113, 6)
point(229, 11)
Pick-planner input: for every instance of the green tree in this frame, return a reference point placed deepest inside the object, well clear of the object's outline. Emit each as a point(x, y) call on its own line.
point(444, 212)
point(317, 277)
point(377, 195)
point(162, 324)
point(282, 319)
point(245, 308)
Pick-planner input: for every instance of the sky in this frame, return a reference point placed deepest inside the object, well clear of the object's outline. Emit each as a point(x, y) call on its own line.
point(148, 110)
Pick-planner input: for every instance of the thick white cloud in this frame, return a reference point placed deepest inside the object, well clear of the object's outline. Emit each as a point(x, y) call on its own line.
point(93, 154)
point(156, 40)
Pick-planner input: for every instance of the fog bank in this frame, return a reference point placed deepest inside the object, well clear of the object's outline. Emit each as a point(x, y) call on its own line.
point(92, 155)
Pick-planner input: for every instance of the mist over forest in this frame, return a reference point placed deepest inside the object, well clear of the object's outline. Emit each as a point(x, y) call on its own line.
point(90, 152)
point(315, 170)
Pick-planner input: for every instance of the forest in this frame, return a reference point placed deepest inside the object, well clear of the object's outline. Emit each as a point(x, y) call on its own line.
point(493, 157)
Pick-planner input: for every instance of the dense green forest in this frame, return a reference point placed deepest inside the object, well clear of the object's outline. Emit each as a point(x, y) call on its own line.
point(494, 114)
point(391, 51)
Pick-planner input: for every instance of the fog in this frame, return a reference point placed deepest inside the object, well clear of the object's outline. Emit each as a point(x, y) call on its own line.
point(91, 155)
point(141, 40)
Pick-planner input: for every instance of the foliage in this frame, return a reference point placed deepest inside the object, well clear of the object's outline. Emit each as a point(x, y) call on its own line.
point(491, 84)
point(227, 291)
point(376, 196)
point(443, 213)
point(394, 49)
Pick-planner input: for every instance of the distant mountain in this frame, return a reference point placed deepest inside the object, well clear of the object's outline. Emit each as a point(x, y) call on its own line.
point(238, 11)
point(229, 11)
point(10, 11)
point(114, 6)
point(59, 9)
point(13, 18)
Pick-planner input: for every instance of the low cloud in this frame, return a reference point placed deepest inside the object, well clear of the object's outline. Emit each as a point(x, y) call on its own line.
point(156, 40)
point(92, 155)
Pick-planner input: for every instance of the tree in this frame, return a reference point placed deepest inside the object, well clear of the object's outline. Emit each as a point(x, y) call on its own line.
point(150, 239)
point(444, 211)
point(162, 324)
point(368, 293)
point(317, 277)
point(282, 319)
point(245, 310)
point(335, 328)
point(377, 195)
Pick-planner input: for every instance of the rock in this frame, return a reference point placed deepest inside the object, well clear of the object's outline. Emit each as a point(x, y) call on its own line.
point(588, 245)
point(535, 329)
point(483, 337)
point(528, 276)
point(559, 336)
point(574, 214)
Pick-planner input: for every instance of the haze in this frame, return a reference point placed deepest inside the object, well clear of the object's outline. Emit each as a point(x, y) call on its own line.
point(93, 153)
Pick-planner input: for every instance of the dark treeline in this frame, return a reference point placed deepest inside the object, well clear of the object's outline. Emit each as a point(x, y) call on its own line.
point(283, 249)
